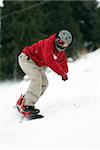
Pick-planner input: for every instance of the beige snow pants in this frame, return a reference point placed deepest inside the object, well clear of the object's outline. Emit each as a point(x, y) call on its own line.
point(38, 79)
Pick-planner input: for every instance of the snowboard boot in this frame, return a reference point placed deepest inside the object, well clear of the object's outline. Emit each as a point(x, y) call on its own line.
point(26, 111)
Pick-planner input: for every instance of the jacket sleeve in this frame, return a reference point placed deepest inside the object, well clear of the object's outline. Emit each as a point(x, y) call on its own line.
point(63, 62)
point(49, 59)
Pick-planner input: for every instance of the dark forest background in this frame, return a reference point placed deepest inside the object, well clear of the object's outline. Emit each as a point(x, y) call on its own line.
point(25, 22)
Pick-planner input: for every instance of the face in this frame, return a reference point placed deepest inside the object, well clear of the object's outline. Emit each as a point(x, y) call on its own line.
point(62, 44)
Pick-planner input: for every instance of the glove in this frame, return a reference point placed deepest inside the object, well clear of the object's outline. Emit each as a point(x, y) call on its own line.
point(65, 77)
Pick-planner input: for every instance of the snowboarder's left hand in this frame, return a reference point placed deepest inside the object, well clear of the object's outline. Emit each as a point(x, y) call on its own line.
point(65, 77)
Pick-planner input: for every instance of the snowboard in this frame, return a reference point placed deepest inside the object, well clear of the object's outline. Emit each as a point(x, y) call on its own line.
point(35, 116)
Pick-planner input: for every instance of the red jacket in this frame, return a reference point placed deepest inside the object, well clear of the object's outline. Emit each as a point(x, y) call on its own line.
point(44, 53)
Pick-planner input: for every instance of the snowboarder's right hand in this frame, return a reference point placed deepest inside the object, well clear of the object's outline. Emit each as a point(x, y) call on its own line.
point(65, 77)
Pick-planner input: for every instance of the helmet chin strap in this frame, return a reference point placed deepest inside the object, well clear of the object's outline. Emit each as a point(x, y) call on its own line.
point(61, 50)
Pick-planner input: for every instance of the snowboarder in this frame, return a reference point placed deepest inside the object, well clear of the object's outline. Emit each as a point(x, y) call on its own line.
point(49, 52)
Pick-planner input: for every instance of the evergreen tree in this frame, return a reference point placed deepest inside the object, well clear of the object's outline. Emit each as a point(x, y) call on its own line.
point(19, 29)
point(25, 22)
point(96, 31)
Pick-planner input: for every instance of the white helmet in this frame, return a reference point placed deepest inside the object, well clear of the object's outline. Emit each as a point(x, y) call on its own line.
point(64, 38)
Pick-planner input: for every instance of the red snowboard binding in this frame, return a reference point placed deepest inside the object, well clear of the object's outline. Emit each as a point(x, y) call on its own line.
point(29, 112)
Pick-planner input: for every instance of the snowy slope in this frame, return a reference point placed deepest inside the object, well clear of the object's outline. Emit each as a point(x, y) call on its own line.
point(71, 110)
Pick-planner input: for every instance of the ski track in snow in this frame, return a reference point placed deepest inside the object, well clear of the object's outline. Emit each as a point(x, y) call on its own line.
point(71, 111)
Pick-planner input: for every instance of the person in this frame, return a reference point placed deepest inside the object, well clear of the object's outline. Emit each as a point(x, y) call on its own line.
point(48, 52)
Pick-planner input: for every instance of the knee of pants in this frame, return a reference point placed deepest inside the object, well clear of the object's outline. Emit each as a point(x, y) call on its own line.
point(44, 87)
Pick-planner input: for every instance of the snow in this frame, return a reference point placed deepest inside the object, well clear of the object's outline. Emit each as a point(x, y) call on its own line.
point(71, 111)
point(1, 3)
